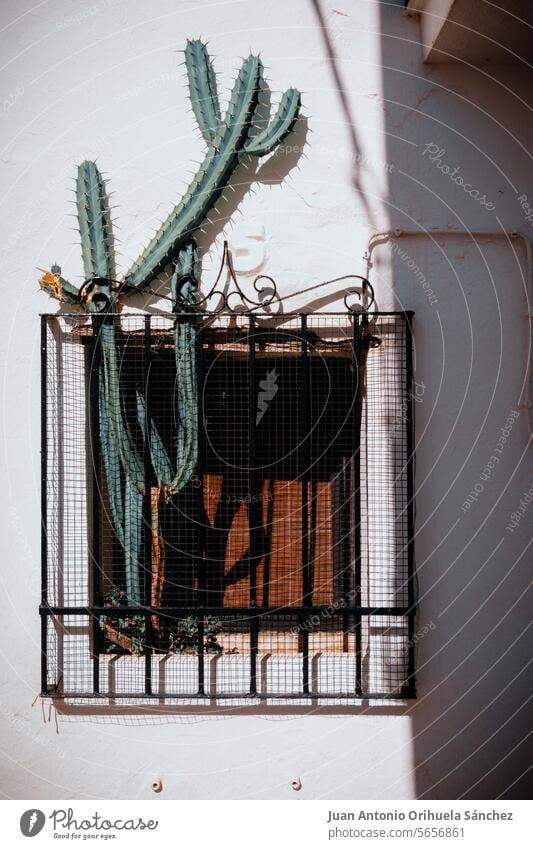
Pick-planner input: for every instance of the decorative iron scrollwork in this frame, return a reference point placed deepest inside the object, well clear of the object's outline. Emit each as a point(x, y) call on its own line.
point(362, 293)
point(235, 300)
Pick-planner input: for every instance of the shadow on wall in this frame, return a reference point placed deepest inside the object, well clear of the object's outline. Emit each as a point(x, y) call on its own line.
point(470, 722)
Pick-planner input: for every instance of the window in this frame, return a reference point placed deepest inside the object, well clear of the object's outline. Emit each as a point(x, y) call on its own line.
point(281, 567)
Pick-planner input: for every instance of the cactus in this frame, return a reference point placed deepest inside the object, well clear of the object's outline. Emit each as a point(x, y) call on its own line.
point(229, 140)
point(118, 450)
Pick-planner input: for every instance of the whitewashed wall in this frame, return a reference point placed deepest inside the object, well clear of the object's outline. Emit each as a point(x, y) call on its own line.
point(102, 80)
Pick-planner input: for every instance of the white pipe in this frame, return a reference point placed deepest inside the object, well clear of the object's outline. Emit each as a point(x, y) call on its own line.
point(388, 235)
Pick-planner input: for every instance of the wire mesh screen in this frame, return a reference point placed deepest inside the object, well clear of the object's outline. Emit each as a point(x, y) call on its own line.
point(227, 507)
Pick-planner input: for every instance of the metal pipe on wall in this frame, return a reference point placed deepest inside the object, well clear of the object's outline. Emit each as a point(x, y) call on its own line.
point(385, 236)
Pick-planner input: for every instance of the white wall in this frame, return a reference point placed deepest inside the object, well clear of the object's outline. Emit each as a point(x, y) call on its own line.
point(84, 80)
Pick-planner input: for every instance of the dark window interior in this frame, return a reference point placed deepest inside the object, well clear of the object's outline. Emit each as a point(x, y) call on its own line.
point(205, 529)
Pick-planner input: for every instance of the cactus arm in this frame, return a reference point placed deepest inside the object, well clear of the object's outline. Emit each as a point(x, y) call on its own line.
point(183, 287)
point(120, 431)
point(133, 505)
point(160, 460)
point(209, 182)
point(280, 126)
point(126, 512)
point(184, 344)
point(111, 461)
point(96, 238)
point(118, 452)
point(203, 89)
point(93, 222)
point(187, 437)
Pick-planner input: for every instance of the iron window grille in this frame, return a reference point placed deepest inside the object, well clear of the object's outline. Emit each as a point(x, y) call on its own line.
point(284, 568)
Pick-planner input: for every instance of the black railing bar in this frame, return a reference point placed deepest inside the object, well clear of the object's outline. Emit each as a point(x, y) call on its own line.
point(295, 314)
point(322, 610)
point(200, 556)
point(409, 431)
point(44, 502)
point(94, 447)
point(252, 460)
point(215, 697)
point(201, 685)
point(305, 442)
point(254, 640)
point(356, 437)
point(147, 503)
point(253, 514)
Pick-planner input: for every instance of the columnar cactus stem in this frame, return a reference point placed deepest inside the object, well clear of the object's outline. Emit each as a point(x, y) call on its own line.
point(96, 237)
point(94, 223)
point(183, 287)
point(126, 511)
point(118, 448)
point(203, 89)
point(229, 140)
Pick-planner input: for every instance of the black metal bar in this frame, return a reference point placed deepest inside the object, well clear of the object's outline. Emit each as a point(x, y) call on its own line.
point(201, 555)
point(267, 550)
point(345, 542)
point(305, 442)
point(253, 522)
point(286, 315)
point(201, 558)
point(94, 446)
point(147, 503)
point(286, 610)
point(254, 639)
point(111, 694)
point(201, 685)
point(356, 446)
point(409, 435)
point(44, 505)
point(252, 461)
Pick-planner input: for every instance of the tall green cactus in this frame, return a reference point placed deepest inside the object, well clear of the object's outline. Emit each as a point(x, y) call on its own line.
point(118, 449)
point(229, 139)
